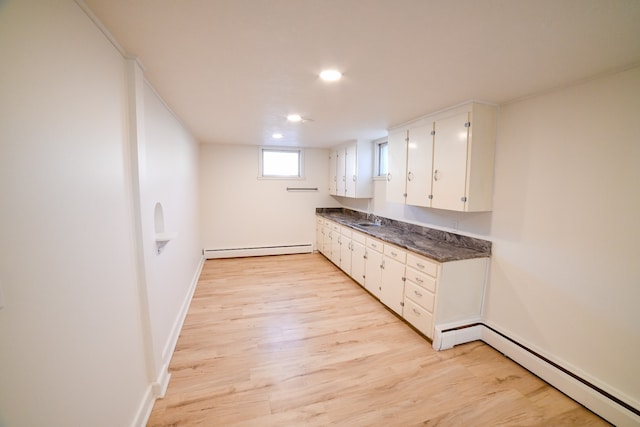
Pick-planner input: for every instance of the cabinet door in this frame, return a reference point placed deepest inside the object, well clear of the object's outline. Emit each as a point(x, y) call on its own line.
point(333, 181)
point(350, 158)
point(345, 254)
point(419, 165)
point(340, 173)
point(396, 178)
point(319, 236)
point(357, 261)
point(335, 247)
point(392, 284)
point(450, 162)
point(373, 272)
point(327, 241)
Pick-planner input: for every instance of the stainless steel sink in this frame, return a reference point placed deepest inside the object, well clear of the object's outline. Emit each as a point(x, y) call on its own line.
point(367, 224)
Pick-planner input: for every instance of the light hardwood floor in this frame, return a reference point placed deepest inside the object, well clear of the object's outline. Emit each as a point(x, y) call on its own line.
point(292, 341)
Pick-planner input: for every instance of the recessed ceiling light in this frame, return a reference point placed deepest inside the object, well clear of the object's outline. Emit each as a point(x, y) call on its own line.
point(294, 118)
point(276, 136)
point(330, 75)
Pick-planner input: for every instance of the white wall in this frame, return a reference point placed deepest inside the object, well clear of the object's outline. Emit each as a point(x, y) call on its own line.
point(169, 176)
point(565, 276)
point(239, 210)
point(71, 344)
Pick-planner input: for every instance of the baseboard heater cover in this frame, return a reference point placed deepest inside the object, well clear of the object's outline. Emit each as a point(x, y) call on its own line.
point(306, 248)
point(605, 404)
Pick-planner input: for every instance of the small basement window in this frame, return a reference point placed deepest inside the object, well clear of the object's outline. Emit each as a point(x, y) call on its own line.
point(382, 158)
point(283, 163)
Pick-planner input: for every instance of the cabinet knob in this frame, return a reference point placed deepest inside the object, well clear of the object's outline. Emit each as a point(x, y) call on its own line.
point(409, 176)
point(418, 294)
point(354, 178)
point(389, 176)
point(435, 175)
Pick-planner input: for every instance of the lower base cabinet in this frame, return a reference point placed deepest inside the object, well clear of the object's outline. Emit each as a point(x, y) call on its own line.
point(425, 292)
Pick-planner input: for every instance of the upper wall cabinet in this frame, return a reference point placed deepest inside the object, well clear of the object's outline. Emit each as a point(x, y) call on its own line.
point(445, 160)
point(351, 170)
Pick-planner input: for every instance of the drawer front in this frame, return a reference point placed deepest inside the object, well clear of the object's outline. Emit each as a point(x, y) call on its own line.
point(420, 318)
point(419, 295)
point(374, 244)
point(421, 279)
point(395, 253)
point(359, 237)
point(424, 265)
point(346, 231)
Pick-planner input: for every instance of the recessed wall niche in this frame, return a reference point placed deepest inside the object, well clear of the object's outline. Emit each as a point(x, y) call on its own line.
point(162, 236)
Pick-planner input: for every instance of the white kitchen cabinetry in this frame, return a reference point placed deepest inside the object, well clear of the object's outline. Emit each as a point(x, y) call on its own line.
point(353, 170)
point(358, 253)
point(448, 159)
point(345, 249)
point(463, 159)
point(334, 236)
point(425, 292)
point(319, 234)
point(419, 164)
point(442, 293)
point(410, 164)
point(372, 266)
point(397, 163)
point(333, 177)
point(392, 279)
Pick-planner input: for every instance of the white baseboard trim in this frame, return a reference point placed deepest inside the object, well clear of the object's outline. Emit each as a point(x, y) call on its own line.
point(170, 346)
point(606, 403)
point(452, 334)
point(144, 409)
point(158, 388)
point(306, 248)
point(578, 390)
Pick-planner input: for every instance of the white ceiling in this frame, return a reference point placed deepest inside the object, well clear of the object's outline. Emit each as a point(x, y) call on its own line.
point(233, 69)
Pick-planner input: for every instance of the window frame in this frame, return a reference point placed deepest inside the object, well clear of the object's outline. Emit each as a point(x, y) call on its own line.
point(298, 150)
point(378, 143)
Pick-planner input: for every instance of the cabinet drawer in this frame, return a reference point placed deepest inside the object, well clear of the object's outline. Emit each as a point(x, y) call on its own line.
point(420, 318)
point(345, 231)
point(334, 226)
point(395, 253)
point(359, 237)
point(421, 279)
point(423, 264)
point(419, 295)
point(374, 244)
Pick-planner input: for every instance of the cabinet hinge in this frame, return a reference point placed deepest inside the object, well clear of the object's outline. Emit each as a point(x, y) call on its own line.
point(404, 279)
point(430, 196)
point(463, 199)
point(406, 139)
point(467, 125)
point(401, 303)
point(404, 194)
point(433, 132)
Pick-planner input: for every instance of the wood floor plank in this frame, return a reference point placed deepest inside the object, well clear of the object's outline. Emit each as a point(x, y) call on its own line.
point(292, 341)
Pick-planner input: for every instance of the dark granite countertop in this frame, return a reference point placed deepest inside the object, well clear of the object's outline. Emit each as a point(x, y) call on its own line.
point(439, 245)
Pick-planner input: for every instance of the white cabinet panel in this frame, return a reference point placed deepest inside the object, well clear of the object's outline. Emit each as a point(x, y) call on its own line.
point(450, 163)
point(419, 165)
point(396, 177)
point(392, 284)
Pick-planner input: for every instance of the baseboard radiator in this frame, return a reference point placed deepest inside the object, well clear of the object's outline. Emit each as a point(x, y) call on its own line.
point(306, 248)
point(613, 406)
